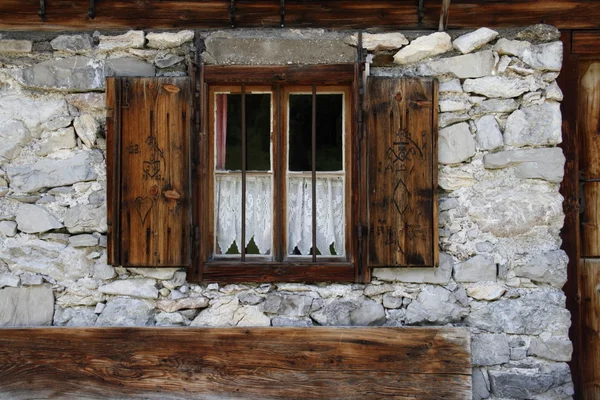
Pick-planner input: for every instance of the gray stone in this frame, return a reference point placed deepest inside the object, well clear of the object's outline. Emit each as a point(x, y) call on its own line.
point(142, 288)
point(194, 302)
point(14, 135)
point(452, 85)
point(32, 112)
point(424, 47)
point(56, 237)
point(489, 349)
point(335, 313)
point(531, 314)
point(169, 319)
point(494, 106)
point(435, 305)
point(370, 313)
point(72, 43)
point(250, 298)
point(155, 273)
point(15, 46)
point(550, 267)
point(543, 163)
point(476, 269)
point(128, 66)
point(220, 313)
point(29, 279)
point(455, 144)
point(551, 349)
point(510, 212)
point(230, 48)
point(481, 384)
point(49, 173)
point(85, 240)
point(131, 39)
point(86, 127)
point(500, 86)
point(486, 291)
point(8, 228)
point(9, 279)
point(78, 316)
point(534, 125)
point(391, 301)
point(87, 102)
point(521, 383)
point(539, 33)
point(291, 305)
point(35, 219)
point(31, 306)
point(474, 40)
point(169, 40)
point(251, 316)
point(376, 289)
point(123, 311)
point(85, 218)
point(511, 47)
point(488, 134)
point(167, 60)
point(289, 321)
point(376, 42)
point(74, 74)
point(545, 57)
point(553, 92)
point(467, 66)
point(58, 140)
point(440, 275)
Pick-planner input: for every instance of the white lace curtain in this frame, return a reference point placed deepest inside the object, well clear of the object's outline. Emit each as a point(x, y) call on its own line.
point(259, 210)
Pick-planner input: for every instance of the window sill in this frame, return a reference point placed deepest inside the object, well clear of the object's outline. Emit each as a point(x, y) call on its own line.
point(265, 272)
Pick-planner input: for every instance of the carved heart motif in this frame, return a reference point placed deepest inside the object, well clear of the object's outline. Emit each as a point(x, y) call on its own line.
point(151, 168)
point(143, 205)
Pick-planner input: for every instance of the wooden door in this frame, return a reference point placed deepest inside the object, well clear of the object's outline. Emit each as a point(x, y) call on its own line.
point(589, 274)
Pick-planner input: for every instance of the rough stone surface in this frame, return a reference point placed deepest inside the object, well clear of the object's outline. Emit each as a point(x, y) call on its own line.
point(128, 66)
point(435, 305)
point(15, 46)
point(288, 321)
point(486, 291)
point(481, 384)
point(86, 218)
point(74, 74)
point(85, 240)
point(489, 349)
point(8, 228)
point(86, 127)
point(58, 140)
point(539, 33)
point(123, 311)
point(474, 40)
point(543, 163)
point(551, 349)
point(291, 305)
point(72, 43)
point(379, 41)
point(489, 136)
point(48, 173)
point(31, 306)
point(80, 316)
point(35, 219)
point(169, 40)
point(155, 273)
point(548, 268)
point(182, 304)
point(494, 106)
point(131, 39)
point(535, 125)
point(424, 47)
point(87, 102)
point(500, 86)
point(32, 112)
point(9, 279)
point(370, 313)
point(455, 144)
point(440, 275)
point(450, 118)
point(527, 383)
point(142, 288)
point(14, 135)
point(476, 269)
point(467, 66)
point(452, 85)
point(546, 57)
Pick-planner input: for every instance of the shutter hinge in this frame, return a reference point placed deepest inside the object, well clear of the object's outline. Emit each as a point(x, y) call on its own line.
point(125, 94)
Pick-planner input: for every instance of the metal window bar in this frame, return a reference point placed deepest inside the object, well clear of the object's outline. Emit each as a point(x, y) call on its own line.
point(243, 244)
point(314, 173)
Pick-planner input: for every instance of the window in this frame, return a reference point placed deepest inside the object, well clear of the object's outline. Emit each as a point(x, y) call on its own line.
point(280, 180)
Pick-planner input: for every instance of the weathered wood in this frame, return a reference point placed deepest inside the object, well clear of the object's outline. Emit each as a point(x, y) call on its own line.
point(586, 42)
point(295, 74)
point(568, 81)
point(564, 14)
point(228, 272)
point(235, 363)
point(590, 319)
point(589, 129)
point(113, 135)
point(155, 171)
point(402, 189)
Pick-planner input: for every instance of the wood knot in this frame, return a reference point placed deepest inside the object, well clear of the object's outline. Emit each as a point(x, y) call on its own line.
point(398, 96)
point(172, 195)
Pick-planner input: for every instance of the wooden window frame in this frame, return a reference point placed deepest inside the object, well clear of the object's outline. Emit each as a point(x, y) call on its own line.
point(282, 81)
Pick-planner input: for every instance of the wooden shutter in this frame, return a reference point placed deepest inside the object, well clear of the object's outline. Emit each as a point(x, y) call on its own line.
point(148, 171)
point(402, 179)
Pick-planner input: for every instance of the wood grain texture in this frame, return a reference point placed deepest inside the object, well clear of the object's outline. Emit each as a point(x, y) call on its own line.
point(589, 131)
point(590, 319)
point(586, 42)
point(331, 74)
point(564, 14)
point(401, 164)
point(155, 171)
point(288, 271)
point(235, 363)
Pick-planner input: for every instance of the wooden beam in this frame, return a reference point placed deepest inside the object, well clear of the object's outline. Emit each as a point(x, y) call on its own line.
point(235, 363)
point(335, 74)
point(586, 42)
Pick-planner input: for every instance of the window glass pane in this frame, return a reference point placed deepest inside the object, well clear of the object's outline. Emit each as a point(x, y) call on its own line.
point(329, 132)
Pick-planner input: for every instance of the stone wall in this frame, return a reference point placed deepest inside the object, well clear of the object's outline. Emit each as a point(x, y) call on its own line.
point(501, 268)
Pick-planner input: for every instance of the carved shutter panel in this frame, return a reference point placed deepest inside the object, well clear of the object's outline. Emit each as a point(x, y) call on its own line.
point(148, 171)
point(402, 179)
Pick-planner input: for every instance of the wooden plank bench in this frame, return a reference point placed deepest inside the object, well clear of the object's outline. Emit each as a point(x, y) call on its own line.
point(235, 363)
